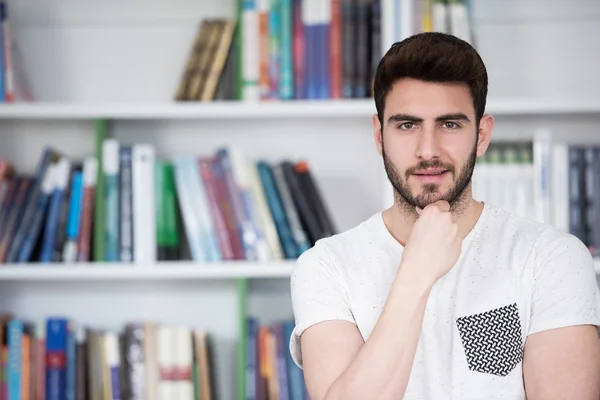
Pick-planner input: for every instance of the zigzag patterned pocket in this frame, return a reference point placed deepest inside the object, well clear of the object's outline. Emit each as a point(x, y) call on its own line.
point(492, 340)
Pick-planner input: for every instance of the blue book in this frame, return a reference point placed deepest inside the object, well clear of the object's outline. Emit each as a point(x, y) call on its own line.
point(288, 244)
point(35, 227)
point(3, 17)
point(56, 358)
point(323, 56)
point(74, 218)
point(53, 215)
point(295, 375)
point(15, 358)
point(252, 363)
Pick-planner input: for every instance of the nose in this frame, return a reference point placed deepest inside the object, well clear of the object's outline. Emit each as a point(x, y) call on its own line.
point(428, 146)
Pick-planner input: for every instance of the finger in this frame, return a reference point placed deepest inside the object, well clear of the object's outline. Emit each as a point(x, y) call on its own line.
point(443, 205)
point(419, 211)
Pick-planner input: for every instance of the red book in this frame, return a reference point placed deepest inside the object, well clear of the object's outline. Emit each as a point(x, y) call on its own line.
point(335, 45)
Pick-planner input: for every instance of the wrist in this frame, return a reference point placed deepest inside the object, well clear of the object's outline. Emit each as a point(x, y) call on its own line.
point(415, 277)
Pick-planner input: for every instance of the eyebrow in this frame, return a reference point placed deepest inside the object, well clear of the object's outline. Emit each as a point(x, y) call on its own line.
point(444, 117)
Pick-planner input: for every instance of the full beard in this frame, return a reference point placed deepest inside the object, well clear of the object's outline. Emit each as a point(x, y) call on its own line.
point(457, 196)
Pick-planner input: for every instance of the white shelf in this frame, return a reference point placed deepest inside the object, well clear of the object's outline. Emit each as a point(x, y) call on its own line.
point(178, 270)
point(223, 110)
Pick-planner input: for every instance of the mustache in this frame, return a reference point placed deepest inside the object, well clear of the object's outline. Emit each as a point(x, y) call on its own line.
point(424, 164)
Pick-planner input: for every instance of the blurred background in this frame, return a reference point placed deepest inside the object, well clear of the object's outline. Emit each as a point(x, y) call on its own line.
point(163, 163)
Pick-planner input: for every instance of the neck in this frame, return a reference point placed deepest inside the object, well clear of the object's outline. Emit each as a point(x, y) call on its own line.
point(400, 218)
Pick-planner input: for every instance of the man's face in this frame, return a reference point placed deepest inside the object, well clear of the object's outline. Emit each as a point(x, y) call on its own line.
point(429, 143)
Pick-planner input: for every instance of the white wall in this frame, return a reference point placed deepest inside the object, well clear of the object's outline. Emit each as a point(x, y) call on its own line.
point(135, 51)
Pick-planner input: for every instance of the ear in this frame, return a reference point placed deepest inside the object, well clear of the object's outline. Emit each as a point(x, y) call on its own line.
point(485, 134)
point(377, 134)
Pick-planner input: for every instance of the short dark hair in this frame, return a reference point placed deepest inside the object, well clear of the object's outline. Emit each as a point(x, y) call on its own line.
point(432, 57)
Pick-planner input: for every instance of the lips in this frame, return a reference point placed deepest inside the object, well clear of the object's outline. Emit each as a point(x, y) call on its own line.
point(431, 172)
point(431, 175)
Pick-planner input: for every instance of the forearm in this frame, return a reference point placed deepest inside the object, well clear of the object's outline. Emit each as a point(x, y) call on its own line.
point(383, 364)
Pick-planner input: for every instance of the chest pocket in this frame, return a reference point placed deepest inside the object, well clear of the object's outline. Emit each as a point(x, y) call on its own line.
point(492, 340)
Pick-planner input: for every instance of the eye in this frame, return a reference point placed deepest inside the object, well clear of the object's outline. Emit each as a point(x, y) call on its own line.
point(406, 125)
point(451, 125)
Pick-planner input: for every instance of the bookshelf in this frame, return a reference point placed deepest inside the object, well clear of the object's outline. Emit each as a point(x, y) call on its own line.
point(167, 271)
point(122, 63)
point(270, 110)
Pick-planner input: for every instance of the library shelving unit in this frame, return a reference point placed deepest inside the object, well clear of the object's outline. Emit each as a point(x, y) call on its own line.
point(122, 63)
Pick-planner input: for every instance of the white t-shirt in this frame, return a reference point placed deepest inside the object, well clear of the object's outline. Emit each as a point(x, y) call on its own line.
point(514, 278)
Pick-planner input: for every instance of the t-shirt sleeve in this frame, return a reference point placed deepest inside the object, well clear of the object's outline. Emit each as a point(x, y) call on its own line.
point(565, 292)
point(318, 294)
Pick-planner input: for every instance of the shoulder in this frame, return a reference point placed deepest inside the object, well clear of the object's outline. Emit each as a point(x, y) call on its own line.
point(328, 254)
point(545, 242)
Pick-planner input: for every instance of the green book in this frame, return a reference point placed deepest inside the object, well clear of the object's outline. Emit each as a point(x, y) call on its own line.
point(167, 225)
point(99, 239)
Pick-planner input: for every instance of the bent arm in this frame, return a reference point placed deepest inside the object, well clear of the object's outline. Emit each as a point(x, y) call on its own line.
point(563, 363)
point(338, 364)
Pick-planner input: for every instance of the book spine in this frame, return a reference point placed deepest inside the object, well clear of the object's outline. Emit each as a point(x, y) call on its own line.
point(31, 238)
point(74, 220)
point(166, 363)
point(576, 193)
point(208, 235)
point(205, 168)
point(274, 48)
point(264, 7)
point(183, 363)
point(335, 46)
point(110, 168)
point(348, 48)
point(362, 68)
point(84, 240)
point(28, 211)
point(125, 205)
point(299, 51)
point(56, 358)
point(186, 205)
point(250, 64)
point(134, 361)
point(144, 222)
point(9, 86)
point(3, 16)
point(99, 239)
point(288, 205)
point(323, 41)
point(286, 81)
point(53, 216)
point(113, 363)
point(70, 365)
point(252, 359)
point(81, 364)
point(289, 246)
point(14, 215)
point(244, 225)
point(15, 358)
point(225, 205)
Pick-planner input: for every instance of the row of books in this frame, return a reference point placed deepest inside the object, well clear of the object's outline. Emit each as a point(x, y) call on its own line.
point(578, 191)
point(504, 176)
point(127, 205)
point(287, 49)
point(306, 49)
point(58, 359)
point(271, 374)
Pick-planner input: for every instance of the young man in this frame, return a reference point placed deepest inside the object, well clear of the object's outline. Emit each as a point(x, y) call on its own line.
point(441, 296)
